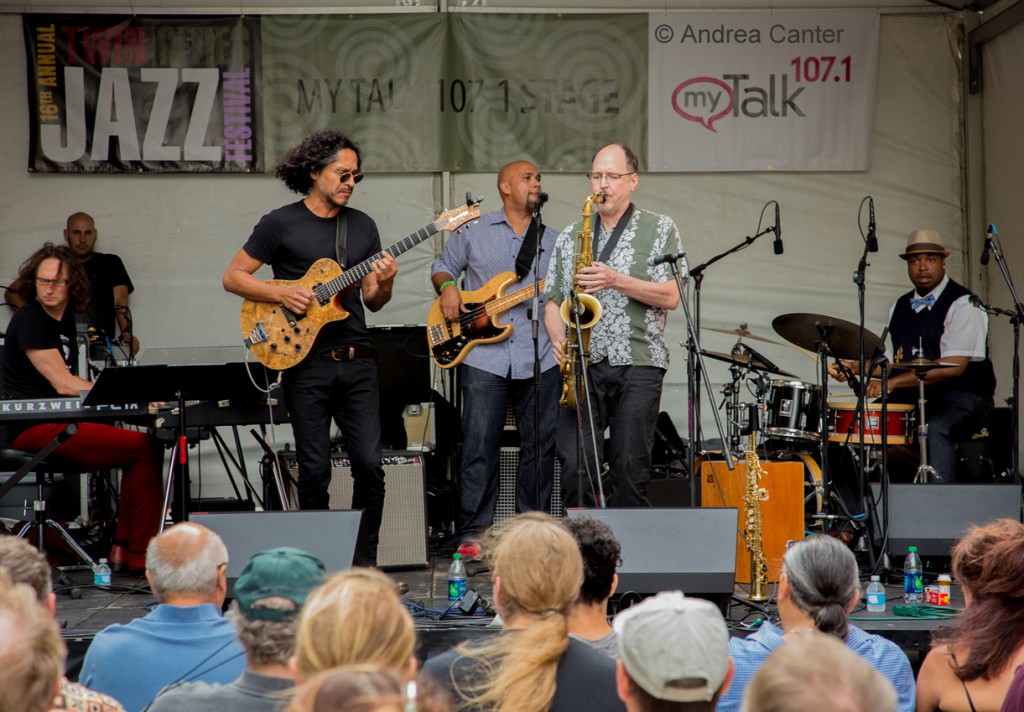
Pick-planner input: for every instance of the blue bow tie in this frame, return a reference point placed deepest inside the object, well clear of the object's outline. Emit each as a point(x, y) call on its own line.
point(928, 301)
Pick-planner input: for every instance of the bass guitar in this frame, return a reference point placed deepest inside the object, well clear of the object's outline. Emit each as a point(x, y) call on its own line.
point(451, 340)
point(280, 339)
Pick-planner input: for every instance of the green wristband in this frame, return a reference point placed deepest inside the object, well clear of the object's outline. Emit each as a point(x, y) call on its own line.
point(445, 284)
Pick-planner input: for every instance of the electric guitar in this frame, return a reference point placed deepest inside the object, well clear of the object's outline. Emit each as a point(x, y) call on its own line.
point(280, 339)
point(450, 341)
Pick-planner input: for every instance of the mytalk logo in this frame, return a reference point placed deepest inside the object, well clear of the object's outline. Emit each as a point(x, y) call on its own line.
point(706, 100)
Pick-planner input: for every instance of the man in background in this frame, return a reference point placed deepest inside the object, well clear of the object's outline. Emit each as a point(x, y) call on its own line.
point(602, 554)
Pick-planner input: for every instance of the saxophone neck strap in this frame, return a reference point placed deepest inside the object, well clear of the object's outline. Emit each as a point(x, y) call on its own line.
point(613, 240)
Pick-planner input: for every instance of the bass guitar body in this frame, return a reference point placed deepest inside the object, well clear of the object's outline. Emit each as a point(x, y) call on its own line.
point(280, 339)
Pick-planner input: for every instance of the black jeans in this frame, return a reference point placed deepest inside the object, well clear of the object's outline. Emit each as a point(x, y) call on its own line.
point(318, 392)
point(624, 399)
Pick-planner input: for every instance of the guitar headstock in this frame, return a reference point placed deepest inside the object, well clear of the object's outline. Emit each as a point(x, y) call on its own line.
point(455, 218)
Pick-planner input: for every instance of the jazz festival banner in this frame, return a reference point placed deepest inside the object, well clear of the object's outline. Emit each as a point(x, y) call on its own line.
point(761, 91)
point(143, 94)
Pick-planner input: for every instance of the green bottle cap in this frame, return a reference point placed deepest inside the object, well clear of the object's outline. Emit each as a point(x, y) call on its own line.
point(457, 555)
point(912, 549)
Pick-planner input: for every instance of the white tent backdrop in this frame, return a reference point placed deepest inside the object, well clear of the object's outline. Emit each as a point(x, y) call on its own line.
point(177, 233)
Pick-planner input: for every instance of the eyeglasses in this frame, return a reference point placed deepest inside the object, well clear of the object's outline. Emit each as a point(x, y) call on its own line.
point(51, 282)
point(611, 177)
point(345, 176)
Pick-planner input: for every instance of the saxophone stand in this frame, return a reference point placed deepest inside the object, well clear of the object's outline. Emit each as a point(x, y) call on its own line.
point(696, 356)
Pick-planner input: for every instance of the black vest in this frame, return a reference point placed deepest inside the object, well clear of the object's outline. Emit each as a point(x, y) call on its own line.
point(907, 327)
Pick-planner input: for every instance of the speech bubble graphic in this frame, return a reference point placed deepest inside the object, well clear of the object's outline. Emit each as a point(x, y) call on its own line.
point(706, 98)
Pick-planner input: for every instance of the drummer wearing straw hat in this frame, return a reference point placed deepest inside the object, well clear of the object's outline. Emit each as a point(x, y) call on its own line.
point(938, 316)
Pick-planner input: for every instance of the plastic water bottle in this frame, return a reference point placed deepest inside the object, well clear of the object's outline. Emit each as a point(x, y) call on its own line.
point(456, 578)
point(876, 596)
point(913, 581)
point(101, 574)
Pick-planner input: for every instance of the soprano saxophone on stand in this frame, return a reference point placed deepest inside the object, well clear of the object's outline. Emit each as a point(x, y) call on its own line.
point(753, 495)
point(576, 346)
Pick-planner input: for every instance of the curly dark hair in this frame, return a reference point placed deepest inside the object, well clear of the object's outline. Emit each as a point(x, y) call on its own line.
point(316, 151)
point(988, 562)
point(601, 553)
point(79, 289)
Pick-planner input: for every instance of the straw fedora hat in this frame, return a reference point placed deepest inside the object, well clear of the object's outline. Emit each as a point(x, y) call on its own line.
point(927, 242)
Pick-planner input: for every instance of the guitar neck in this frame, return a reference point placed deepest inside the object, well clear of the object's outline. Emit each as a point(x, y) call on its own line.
point(351, 276)
point(510, 300)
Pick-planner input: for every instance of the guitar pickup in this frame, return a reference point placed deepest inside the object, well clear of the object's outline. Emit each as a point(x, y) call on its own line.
point(256, 336)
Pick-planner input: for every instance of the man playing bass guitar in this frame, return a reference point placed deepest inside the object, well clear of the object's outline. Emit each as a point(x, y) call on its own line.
point(338, 380)
point(494, 374)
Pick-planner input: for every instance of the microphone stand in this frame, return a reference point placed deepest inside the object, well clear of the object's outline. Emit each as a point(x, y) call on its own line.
point(698, 357)
point(695, 364)
point(1016, 316)
point(582, 358)
point(535, 331)
point(859, 416)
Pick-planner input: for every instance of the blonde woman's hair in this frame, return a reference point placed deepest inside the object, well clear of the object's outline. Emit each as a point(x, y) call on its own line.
point(541, 571)
point(354, 617)
point(31, 650)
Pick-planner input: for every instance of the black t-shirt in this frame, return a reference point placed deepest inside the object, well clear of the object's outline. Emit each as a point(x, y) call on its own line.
point(32, 328)
point(105, 272)
point(291, 238)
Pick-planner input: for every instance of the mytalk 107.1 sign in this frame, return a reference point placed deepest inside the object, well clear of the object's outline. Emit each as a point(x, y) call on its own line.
point(143, 94)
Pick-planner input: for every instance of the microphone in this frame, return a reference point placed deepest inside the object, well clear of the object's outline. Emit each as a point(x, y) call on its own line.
point(872, 237)
point(667, 257)
point(778, 231)
point(541, 199)
point(988, 242)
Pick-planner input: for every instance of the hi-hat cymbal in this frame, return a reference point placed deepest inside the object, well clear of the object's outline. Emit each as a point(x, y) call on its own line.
point(744, 360)
point(921, 364)
point(743, 333)
point(805, 331)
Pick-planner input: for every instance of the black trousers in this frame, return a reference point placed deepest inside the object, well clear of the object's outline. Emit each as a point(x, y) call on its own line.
point(318, 392)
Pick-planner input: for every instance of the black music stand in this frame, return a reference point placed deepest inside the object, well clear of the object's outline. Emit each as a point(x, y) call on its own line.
point(162, 382)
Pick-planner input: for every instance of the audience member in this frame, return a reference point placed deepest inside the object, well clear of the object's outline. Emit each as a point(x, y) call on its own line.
point(675, 655)
point(185, 639)
point(1014, 701)
point(368, 688)
point(972, 663)
point(588, 617)
point(818, 587)
point(355, 617)
point(816, 672)
point(268, 596)
point(533, 665)
point(31, 651)
point(26, 565)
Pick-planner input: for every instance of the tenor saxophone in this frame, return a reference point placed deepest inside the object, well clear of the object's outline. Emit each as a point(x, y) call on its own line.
point(754, 494)
point(588, 308)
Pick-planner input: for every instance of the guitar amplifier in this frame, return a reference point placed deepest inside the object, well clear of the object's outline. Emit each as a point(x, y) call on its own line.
point(403, 530)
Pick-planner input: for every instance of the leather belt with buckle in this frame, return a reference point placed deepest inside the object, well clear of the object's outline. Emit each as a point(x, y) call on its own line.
point(347, 353)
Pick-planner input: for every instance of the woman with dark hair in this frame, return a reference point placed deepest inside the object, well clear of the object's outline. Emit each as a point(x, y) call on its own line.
point(40, 361)
point(971, 664)
point(818, 588)
point(533, 665)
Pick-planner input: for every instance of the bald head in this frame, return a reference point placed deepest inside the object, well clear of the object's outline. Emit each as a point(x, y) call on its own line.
point(519, 187)
point(187, 560)
point(81, 234)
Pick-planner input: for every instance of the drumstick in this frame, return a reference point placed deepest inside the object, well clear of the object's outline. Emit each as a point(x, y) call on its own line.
point(848, 394)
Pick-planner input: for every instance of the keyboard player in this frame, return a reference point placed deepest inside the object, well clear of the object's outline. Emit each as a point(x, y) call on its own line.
point(40, 360)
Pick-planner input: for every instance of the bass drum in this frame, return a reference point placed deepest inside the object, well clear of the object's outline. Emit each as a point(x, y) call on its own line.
point(792, 411)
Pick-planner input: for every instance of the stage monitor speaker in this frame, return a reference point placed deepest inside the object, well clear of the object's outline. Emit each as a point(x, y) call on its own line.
point(690, 550)
point(933, 517)
point(403, 530)
point(336, 537)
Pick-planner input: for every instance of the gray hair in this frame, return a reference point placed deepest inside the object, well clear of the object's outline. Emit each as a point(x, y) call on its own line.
point(822, 574)
point(185, 560)
point(266, 642)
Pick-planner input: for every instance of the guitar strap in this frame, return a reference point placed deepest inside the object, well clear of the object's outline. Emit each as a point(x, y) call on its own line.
point(527, 251)
point(341, 237)
point(620, 226)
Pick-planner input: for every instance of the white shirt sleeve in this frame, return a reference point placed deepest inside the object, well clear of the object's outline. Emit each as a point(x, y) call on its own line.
point(965, 331)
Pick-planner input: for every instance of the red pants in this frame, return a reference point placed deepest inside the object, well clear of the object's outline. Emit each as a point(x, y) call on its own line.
point(97, 446)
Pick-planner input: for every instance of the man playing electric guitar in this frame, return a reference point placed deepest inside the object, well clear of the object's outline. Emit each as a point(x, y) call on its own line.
point(338, 380)
point(492, 374)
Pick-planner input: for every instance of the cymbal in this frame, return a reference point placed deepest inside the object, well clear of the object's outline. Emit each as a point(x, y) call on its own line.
point(744, 360)
point(804, 330)
point(743, 333)
point(921, 364)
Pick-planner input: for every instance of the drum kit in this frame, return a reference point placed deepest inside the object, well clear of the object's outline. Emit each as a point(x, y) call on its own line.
point(792, 413)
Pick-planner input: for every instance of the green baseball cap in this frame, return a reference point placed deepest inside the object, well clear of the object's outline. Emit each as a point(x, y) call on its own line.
point(285, 572)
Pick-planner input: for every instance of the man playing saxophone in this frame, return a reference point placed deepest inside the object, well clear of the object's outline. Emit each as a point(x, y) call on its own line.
point(628, 355)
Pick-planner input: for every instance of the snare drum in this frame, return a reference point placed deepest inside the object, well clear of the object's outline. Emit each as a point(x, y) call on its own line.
point(900, 419)
point(792, 410)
